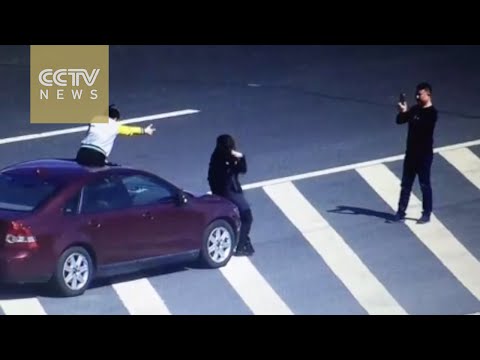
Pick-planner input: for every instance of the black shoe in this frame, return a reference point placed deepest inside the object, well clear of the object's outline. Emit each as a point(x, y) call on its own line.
point(240, 252)
point(424, 219)
point(399, 216)
point(249, 248)
point(245, 249)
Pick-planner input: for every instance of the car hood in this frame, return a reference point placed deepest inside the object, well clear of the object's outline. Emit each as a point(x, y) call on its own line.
point(209, 198)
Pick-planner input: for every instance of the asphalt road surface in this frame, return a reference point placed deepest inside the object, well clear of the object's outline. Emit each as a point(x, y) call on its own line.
point(324, 241)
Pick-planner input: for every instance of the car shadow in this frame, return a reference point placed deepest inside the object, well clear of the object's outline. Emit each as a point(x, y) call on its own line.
point(161, 270)
point(353, 210)
point(24, 291)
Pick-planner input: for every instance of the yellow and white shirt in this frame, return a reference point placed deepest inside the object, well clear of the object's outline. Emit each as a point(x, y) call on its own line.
point(101, 136)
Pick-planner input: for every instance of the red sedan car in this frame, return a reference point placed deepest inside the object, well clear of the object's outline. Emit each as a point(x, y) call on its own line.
point(63, 223)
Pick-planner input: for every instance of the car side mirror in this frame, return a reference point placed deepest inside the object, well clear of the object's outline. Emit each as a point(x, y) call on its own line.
point(181, 198)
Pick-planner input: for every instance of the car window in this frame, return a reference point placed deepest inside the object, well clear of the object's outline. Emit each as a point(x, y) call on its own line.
point(23, 192)
point(145, 190)
point(71, 205)
point(105, 195)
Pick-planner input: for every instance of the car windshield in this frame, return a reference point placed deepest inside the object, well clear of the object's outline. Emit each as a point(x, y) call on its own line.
point(24, 193)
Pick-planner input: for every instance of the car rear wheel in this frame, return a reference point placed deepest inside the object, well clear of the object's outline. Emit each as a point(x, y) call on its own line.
point(218, 244)
point(73, 273)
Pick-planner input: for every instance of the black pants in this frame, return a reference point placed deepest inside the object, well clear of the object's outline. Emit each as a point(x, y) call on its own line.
point(90, 157)
point(247, 220)
point(245, 216)
point(416, 164)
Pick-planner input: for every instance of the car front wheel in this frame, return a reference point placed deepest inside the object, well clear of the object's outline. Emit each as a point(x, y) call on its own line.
point(218, 244)
point(73, 273)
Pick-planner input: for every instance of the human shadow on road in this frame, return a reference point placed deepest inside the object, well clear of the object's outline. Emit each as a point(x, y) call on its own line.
point(352, 210)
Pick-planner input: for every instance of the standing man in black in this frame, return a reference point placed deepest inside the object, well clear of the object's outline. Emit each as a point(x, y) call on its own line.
point(421, 119)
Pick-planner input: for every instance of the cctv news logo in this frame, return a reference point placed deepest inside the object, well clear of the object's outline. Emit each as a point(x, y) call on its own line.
point(72, 78)
point(69, 84)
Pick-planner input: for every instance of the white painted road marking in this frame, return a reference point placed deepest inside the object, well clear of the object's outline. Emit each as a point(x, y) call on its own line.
point(29, 306)
point(252, 287)
point(434, 235)
point(355, 166)
point(341, 259)
point(141, 298)
point(466, 162)
point(255, 185)
point(240, 269)
point(85, 127)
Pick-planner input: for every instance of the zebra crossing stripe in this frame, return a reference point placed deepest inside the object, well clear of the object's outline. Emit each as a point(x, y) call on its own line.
point(140, 298)
point(29, 306)
point(254, 290)
point(341, 259)
point(466, 162)
point(434, 235)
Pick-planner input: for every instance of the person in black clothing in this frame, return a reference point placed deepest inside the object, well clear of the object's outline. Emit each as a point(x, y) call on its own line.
point(226, 163)
point(421, 119)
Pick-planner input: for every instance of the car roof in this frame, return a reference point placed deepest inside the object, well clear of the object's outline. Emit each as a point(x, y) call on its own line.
point(66, 168)
point(64, 171)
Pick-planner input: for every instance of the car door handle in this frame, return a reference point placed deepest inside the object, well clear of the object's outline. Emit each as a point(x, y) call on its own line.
point(94, 223)
point(147, 215)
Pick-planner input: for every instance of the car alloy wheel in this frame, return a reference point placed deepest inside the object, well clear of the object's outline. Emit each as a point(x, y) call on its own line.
point(219, 244)
point(76, 271)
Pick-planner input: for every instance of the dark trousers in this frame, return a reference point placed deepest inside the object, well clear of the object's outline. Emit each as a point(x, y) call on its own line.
point(245, 216)
point(90, 157)
point(414, 165)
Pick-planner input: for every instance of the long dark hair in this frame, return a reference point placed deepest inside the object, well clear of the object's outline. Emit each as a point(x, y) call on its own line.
point(219, 171)
point(225, 143)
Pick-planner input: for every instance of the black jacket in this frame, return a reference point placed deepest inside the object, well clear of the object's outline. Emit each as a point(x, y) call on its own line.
point(223, 172)
point(421, 127)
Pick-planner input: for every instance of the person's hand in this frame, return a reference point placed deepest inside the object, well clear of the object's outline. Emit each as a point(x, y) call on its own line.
point(237, 154)
point(149, 129)
point(402, 107)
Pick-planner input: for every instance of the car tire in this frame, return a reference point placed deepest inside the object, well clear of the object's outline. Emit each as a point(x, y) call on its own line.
point(73, 272)
point(218, 244)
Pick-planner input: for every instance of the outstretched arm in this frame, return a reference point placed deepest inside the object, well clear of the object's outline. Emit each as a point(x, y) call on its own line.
point(130, 130)
point(135, 130)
